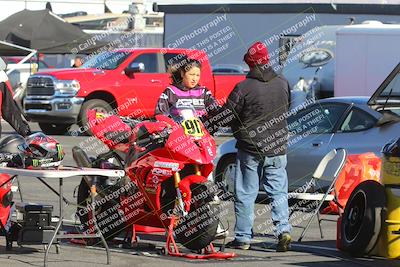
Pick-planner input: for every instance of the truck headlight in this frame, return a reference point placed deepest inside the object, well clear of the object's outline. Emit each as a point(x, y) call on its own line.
point(68, 87)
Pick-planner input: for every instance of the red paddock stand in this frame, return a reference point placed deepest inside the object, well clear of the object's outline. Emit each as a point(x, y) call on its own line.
point(208, 252)
point(171, 248)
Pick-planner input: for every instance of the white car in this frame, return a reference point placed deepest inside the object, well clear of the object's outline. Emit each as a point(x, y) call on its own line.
point(355, 123)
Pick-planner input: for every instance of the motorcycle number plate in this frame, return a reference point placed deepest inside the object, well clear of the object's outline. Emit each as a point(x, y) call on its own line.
point(193, 127)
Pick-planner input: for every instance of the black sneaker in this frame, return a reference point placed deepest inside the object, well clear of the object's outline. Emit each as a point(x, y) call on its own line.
point(284, 242)
point(238, 245)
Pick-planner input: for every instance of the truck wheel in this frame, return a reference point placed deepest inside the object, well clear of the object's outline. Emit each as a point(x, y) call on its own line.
point(53, 128)
point(225, 169)
point(96, 104)
point(362, 218)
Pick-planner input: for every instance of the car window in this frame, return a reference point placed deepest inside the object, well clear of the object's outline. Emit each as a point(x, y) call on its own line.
point(170, 58)
point(226, 71)
point(150, 62)
point(357, 120)
point(316, 119)
point(393, 88)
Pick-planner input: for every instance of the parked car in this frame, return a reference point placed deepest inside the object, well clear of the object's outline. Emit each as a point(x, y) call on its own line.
point(357, 124)
point(127, 80)
point(311, 61)
point(327, 58)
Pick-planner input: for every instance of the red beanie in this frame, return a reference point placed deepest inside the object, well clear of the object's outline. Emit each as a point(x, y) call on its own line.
point(257, 55)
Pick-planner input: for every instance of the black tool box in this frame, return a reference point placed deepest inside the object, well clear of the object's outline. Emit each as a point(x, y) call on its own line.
point(36, 224)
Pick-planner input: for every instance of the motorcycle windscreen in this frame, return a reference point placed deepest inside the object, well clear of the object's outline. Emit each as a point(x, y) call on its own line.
point(189, 137)
point(183, 146)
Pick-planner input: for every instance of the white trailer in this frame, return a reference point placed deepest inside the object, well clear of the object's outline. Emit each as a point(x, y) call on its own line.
point(365, 55)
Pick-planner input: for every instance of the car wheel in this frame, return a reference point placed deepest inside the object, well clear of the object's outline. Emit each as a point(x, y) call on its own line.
point(54, 128)
point(96, 104)
point(362, 218)
point(225, 173)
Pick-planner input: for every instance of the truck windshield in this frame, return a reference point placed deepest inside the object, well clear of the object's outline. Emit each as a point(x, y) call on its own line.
point(106, 60)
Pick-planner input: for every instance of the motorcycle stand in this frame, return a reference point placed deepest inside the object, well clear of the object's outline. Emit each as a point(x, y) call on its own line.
point(132, 241)
point(208, 252)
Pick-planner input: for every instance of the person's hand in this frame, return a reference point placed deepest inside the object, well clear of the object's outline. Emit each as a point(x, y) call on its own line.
point(26, 131)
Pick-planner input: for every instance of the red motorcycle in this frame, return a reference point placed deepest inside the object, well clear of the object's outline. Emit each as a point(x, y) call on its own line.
point(167, 162)
point(5, 207)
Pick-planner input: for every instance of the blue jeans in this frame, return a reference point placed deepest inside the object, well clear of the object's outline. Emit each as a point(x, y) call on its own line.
point(249, 169)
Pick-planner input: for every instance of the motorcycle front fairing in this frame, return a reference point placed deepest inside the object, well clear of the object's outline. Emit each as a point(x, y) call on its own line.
point(189, 139)
point(179, 152)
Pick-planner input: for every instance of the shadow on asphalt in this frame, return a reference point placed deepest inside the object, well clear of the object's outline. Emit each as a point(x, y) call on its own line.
point(16, 250)
point(324, 249)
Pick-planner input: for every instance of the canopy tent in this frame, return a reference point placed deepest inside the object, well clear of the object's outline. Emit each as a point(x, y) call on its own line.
point(8, 49)
point(47, 33)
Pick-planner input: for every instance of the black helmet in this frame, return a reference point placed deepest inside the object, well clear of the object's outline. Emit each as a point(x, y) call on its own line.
point(11, 143)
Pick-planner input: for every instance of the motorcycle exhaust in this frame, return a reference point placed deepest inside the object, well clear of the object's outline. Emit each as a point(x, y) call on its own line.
point(82, 160)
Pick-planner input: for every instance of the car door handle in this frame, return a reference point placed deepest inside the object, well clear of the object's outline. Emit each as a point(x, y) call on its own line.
point(155, 81)
point(317, 144)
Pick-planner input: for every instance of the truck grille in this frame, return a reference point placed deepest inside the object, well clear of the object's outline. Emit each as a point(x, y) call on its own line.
point(29, 106)
point(42, 86)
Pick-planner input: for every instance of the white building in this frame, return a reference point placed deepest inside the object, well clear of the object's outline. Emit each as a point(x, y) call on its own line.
point(9, 7)
point(225, 29)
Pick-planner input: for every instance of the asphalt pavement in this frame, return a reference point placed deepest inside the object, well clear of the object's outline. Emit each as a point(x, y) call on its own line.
point(311, 252)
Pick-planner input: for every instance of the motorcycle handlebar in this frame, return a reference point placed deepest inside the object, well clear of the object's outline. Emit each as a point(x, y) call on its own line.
point(130, 121)
point(143, 141)
point(162, 135)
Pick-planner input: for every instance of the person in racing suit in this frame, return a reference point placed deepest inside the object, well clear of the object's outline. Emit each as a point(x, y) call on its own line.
point(9, 109)
point(185, 91)
point(13, 115)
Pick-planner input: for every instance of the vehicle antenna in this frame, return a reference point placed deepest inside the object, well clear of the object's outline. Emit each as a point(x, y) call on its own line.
point(387, 99)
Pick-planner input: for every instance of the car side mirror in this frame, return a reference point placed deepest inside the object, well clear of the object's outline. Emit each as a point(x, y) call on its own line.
point(134, 68)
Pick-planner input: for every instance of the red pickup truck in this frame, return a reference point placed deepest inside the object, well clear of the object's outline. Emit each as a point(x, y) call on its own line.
point(127, 80)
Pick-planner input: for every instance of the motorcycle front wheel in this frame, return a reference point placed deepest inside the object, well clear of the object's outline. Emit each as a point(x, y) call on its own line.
point(198, 228)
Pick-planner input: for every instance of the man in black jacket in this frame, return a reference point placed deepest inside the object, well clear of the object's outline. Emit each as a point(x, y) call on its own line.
point(258, 107)
point(9, 109)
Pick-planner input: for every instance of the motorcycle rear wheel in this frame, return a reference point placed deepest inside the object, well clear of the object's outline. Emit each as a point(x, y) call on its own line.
point(109, 221)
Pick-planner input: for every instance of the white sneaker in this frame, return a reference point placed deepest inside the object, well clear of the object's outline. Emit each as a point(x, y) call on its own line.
point(216, 200)
point(221, 232)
